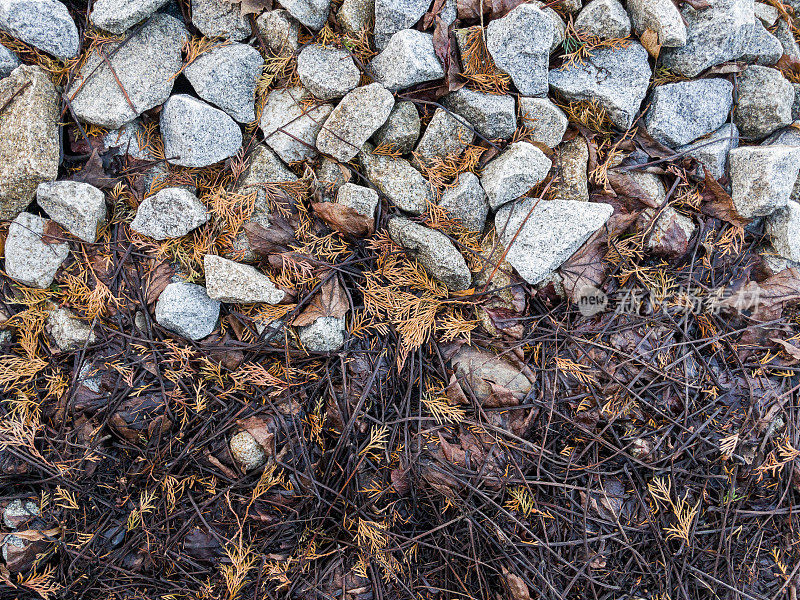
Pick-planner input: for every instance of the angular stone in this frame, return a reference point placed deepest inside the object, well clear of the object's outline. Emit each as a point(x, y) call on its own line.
point(681, 112)
point(397, 180)
point(571, 164)
point(544, 120)
point(196, 134)
point(546, 233)
point(713, 35)
point(45, 24)
point(327, 73)
point(661, 16)
point(762, 178)
point(290, 128)
point(559, 27)
point(356, 15)
point(331, 175)
point(446, 135)
point(19, 512)
point(401, 130)
point(435, 252)
point(171, 213)
point(8, 61)
point(79, 208)
point(520, 46)
point(226, 77)
point(712, 150)
point(117, 16)
point(507, 177)
point(796, 103)
point(279, 31)
point(764, 102)
point(127, 139)
point(616, 78)
point(493, 116)
point(247, 451)
point(29, 260)
point(783, 228)
point(785, 36)
point(68, 331)
point(146, 66)
point(361, 199)
point(766, 13)
point(408, 59)
point(466, 202)
point(311, 13)
point(359, 114)
point(762, 48)
point(29, 137)
point(229, 281)
point(605, 19)
point(392, 16)
point(650, 184)
point(326, 334)
point(185, 309)
point(218, 18)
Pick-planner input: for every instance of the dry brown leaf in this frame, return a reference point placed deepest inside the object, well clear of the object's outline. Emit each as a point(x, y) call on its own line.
point(649, 39)
point(517, 588)
point(624, 185)
point(717, 202)
point(791, 349)
point(157, 280)
point(344, 219)
point(768, 298)
point(471, 9)
point(275, 238)
point(331, 301)
point(262, 430)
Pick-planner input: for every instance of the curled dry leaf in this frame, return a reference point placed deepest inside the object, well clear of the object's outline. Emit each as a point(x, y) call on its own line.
point(471, 9)
point(717, 202)
point(275, 238)
point(331, 301)
point(344, 219)
point(262, 430)
point(649, 39)
point(767, 299)
point(517, 587)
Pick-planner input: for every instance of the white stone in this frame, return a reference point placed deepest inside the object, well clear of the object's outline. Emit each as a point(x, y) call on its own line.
point(68, 331)
point(327, 73)
point(229, 281)
point(408, 59)
point(546, 122)
point(783, 228)
point(762, 178)
point(170, 213)
point(520, 166)
point(78, 207)
point(185, 309)
point(290, 125)
point(30, 260)
point(117, 16)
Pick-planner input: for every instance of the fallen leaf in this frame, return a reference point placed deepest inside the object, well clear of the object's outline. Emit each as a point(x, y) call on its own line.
point(471, 9)
point(53, 233)
point(791, 349)
point(624, 184)
point(649, 40)
point(252, 7)
point(331, 301)
point(344, 219)
point(652, 148)
point(94, 173)
point(201, 545)
point(517, 587)
point(267, 240)
point(157, 280)
point(263, 430)
point(767, 299)
point(717, 202)
point(444, 46)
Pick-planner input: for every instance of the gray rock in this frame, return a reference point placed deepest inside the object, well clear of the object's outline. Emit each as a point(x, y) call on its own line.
point(356, 15)
point(482, 371)
point(466, 202)
point(185, 309)
point(783, 228)
point(520, 46)
point(279, 31)
point(327, 73)
point(8, 61)
point(569, 6)
point(507, 177)
point(79, 208)
point(30, 149)
point(762, 178)
point(290, 128)
point(226, 76)
point(392, 16)
point(544, 120)
point(29, 260)
point(766, 13)
point(764, 102)
point(196, 134)
point(650, 184)
point(247, 451)
point(311, 13)
point(361, 199)
point(712, 150)
point(605, 19)
point(796, 103)
point(117, 16)
point(559, 27)
point(662, 17)
point(146, 66)
point(45, 24)
point(397, 180)
point(446, 135)
point(229, 281)
point(18, 512)
point(616, 78)
point(359, 114)
point(713, 35)
point(218, 18)
point(681, 112)
point(571, 165)
point(408, 59)
point(788, 136)
point(401, 130)
point(493, 116)
point(326, 334)
point(762, 48)
point(171, 213)
point(128, 139)
point(435, 252)
point(546, 234)
point(67, 330)
point(785, 36)
point(671, 232)
point(774, 262)
point(331, 175)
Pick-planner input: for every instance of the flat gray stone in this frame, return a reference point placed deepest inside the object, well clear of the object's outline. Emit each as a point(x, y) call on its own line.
point(681, 112)
point(764, 102)
point(401, 130)
point(170, 213)
point(762, 48)
point(30, 150)
point(196, 134)
point(226, 77)
point(408, 59)
point(29, 260)
point(616, 78)
point(117, 16)
point(435, 252)
point(711, 151)
point(546, 233)
point(397, 180)
point(785, 36)
point(8, 61)
point(311, 13)
point(392, 16)
point(520, 46)
point(229, 281)
point(45, 24)
point(518, 168)
point(78, 207)
point(185, 309)
point(356, 15)
point(713, 35)
point(662, 17)
point(218, 18)
point(446, 135)
point(331, 175)
point(466, 202)
point(605, 19)
point(766, 13)
point(359, 114)
point(783, 228)
point(571, 164)
point(290, 128)
point(544, 120)
point(326, 334)
point(67, 330)
point(279, 30)
point(762, 178)
point(361, 199)
point(146, 66)
point(327, 73)
point(493, 116)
